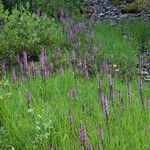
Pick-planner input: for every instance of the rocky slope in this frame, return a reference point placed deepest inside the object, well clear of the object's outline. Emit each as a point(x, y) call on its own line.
point(104, 10)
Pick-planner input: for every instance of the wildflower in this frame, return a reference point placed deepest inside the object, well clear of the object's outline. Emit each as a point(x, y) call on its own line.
point(86, 68)
point(141, 91)
point(51, 147)
point(90, 147)
point(70, 120)
point(100, 133)
point(21, 78)
point(70, 37)
point(14, 74)
point(100, 91)
point(27, 72)
point(72, 93)
point(28, 97)
point(3, 68)
point(122, 62)
point(73, 60)
point(33, 68)
point(120, 98)
point(42, 62)
point(98, 147)
point(105, 106)
point(128, 90)
point(51, 66)
point(105, 65)
point(25, 59)
point(81, 66)
point(61, 70)
point(83, 136)
point(110, 88)
point(19, 61)
point(59, 52)
point(92, 20)
point(73, 57)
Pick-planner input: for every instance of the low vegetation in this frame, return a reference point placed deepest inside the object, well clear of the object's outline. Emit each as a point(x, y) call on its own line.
point(71, 83)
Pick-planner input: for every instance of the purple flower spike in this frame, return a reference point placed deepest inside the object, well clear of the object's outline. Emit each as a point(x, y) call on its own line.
point(105, 106)
point(81, 66)
point(19, 62)
point(25, 59)
point(27, 72)
point(122, 62)
point(59, 52)
point(73, 60)
point(33, 68)
point(129, 90)
point(111, 91)
point(51, 147)
point(98, 147)
point(73, 57)
point(95, 63)
point(28, 97)
point(86, 68)
point(100, 91)
point(61, 70)
point(90, 147)
point(120, 98)
point(92, 20)
point(83, 136)
point(3, 68)
point(70, 120)
point(105, 65)
point(14, 74)
point(21, 78)
point(78, 44)
point(42, 62)
point(70, 37)
point(100, 133)
point(51, 66)
point(141, 90)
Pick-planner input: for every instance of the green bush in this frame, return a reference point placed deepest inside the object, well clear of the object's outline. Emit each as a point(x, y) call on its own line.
point(22, 30)
point(52, 7)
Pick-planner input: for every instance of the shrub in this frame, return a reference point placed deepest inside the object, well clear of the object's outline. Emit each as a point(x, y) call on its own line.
point(22, 30)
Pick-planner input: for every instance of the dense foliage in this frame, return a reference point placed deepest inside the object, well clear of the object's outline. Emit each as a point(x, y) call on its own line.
point(22, 30)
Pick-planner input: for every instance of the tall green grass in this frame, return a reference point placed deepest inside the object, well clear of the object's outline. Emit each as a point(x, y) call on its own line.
point(46, 122)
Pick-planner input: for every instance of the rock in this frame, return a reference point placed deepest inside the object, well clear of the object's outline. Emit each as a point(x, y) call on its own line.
point(106, 11)
point(101, 14)
point(144, 73)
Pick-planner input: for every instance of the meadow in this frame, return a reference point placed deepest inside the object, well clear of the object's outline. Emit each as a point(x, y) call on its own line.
point(85, 94)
